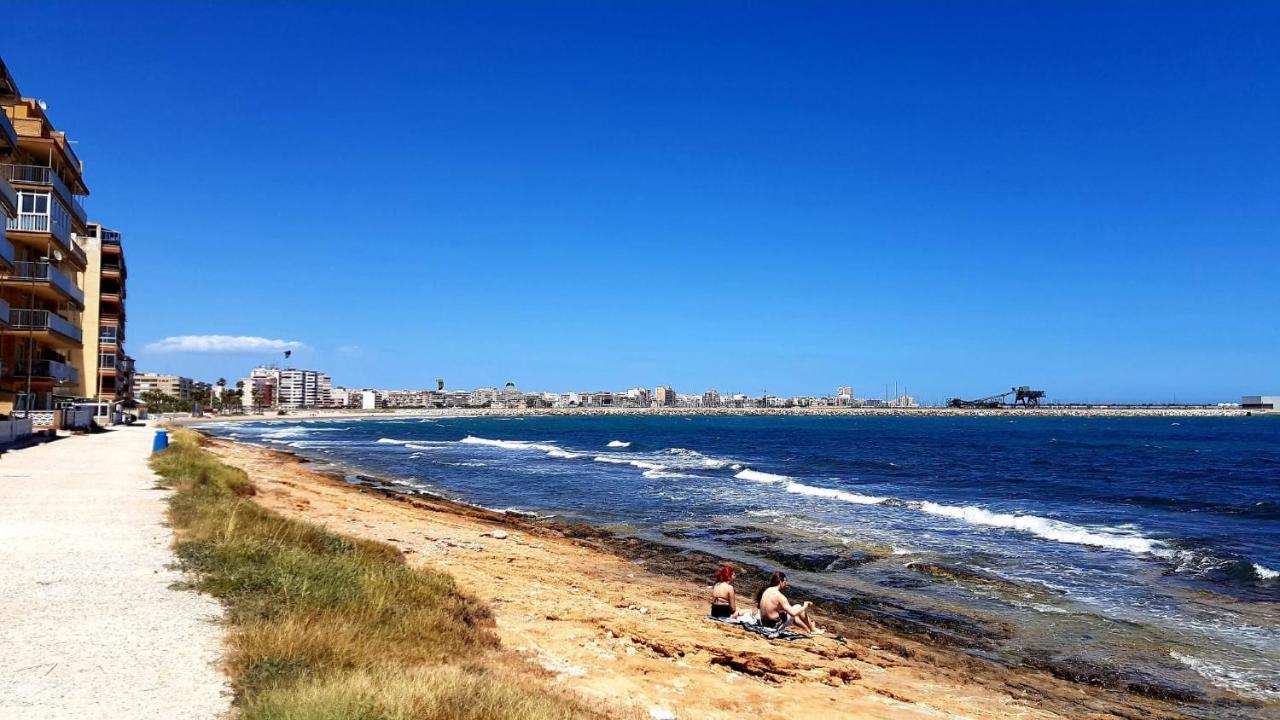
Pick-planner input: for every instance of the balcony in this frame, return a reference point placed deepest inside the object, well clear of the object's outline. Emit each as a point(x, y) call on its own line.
point(56, 226)
point(7, 132)
point(60, 373)
point(54, 283)
point(39, 175)
point(6, 252)
point(46, 321)
point(113, 268)
point(8, 198)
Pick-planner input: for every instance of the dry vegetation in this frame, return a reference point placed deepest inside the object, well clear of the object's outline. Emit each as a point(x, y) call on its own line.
point(323, 626)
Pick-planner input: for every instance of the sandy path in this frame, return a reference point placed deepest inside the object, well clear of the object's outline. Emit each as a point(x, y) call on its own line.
point(611, 630)
point(89, 627)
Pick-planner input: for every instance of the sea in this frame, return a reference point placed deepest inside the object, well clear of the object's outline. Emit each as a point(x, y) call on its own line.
point(1148, 547)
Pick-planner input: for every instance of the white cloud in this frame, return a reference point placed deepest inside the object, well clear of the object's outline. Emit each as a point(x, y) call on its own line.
point(222, 344)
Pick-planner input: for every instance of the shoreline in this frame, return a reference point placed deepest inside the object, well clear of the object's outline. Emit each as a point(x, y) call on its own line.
point(1057, 689)
point(1109, 411)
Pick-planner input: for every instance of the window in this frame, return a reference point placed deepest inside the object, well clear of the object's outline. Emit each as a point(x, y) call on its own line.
point(108, 334)
point(30, 203)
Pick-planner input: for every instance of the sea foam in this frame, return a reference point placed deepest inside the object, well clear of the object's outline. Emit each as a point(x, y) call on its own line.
point(749, 474)
point(618, 444)
point(1046, 528)
point(802, 489)
point(508, 444)
point(1265, 573)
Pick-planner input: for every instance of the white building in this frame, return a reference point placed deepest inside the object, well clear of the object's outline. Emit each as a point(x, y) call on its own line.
point(844, 396)
point(1260, 402)
point(287, 388)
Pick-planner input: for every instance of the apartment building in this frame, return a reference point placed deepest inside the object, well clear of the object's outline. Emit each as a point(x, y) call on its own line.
point(172, 385)
point(107, 368)
point(287, 389)
point(41, 262)
point(664, 396)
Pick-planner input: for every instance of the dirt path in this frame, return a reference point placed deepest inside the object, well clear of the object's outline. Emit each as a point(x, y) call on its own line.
point(614, 631)
point(89, 627)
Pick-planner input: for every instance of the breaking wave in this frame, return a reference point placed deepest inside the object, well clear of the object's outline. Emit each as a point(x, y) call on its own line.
point(749, 474)
point(1046, 528)
point(802, 489)
point(618, 444)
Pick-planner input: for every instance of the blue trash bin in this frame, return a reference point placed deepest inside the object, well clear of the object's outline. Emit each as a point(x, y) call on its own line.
point(161, 442)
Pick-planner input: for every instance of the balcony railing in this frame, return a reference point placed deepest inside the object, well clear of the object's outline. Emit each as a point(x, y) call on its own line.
point(43, 271)
point(62, 373)
point(36, 222)
point(43, 320)
point(40, 175)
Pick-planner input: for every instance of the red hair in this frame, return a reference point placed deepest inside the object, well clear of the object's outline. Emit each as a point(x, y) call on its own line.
point(724, 574)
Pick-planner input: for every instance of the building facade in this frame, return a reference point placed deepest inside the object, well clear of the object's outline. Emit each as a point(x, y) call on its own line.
point(41, 262)
point(664, 396)
point(287, 389)
point(106, 367)
point(172, 385)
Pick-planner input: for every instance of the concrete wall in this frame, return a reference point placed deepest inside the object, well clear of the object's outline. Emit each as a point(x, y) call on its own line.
point(14, 430)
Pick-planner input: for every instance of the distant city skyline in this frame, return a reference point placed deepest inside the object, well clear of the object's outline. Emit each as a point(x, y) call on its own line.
point(957, 199)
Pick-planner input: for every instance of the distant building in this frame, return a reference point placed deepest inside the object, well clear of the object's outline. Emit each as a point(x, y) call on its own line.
point(844, 396)
point(287, 389)
point(711, 398)
point(483, 397)
point(172, 385)
point(638, 397)
point(664, 396)
point(1260, 402)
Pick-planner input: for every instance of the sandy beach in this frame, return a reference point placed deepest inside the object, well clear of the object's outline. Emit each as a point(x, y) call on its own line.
point(628, 628)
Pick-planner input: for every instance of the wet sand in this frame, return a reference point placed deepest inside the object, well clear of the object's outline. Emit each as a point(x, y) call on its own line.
point(622, 620)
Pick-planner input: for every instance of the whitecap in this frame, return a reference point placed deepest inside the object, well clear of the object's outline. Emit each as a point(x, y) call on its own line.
point(749, 474)
point(1265, 573)
point(642, 464)
point(802, 489)
point(1046, 528)
point(508, 444)
point(617, 444)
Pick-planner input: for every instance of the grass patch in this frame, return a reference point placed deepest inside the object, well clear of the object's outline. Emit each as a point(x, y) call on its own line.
point(328, 627)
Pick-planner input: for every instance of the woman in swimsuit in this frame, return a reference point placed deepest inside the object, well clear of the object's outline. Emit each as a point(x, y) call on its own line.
point(724, 601)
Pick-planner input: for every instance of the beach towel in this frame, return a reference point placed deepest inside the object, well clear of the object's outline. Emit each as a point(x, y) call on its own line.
point(751, 624)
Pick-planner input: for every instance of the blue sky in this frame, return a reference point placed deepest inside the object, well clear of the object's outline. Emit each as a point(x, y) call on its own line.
point(954, 197)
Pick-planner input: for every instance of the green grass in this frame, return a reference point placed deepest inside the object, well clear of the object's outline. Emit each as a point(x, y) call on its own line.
point(326, 627)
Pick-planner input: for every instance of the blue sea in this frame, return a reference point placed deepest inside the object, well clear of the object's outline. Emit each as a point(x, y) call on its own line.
point(1148, 543)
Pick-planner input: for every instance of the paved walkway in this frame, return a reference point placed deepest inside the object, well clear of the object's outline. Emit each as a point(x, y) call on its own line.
point(89, 627)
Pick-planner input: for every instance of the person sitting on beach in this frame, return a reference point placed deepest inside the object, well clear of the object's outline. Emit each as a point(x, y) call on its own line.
point(777, 612)
point(724, 601)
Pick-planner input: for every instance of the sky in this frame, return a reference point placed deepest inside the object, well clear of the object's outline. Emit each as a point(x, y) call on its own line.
point(781, 197)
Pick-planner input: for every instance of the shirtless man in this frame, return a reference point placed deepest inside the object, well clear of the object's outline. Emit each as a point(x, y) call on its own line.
point(778, 612)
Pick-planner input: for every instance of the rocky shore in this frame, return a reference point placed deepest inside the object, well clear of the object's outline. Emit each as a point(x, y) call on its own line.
point(618, 618)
